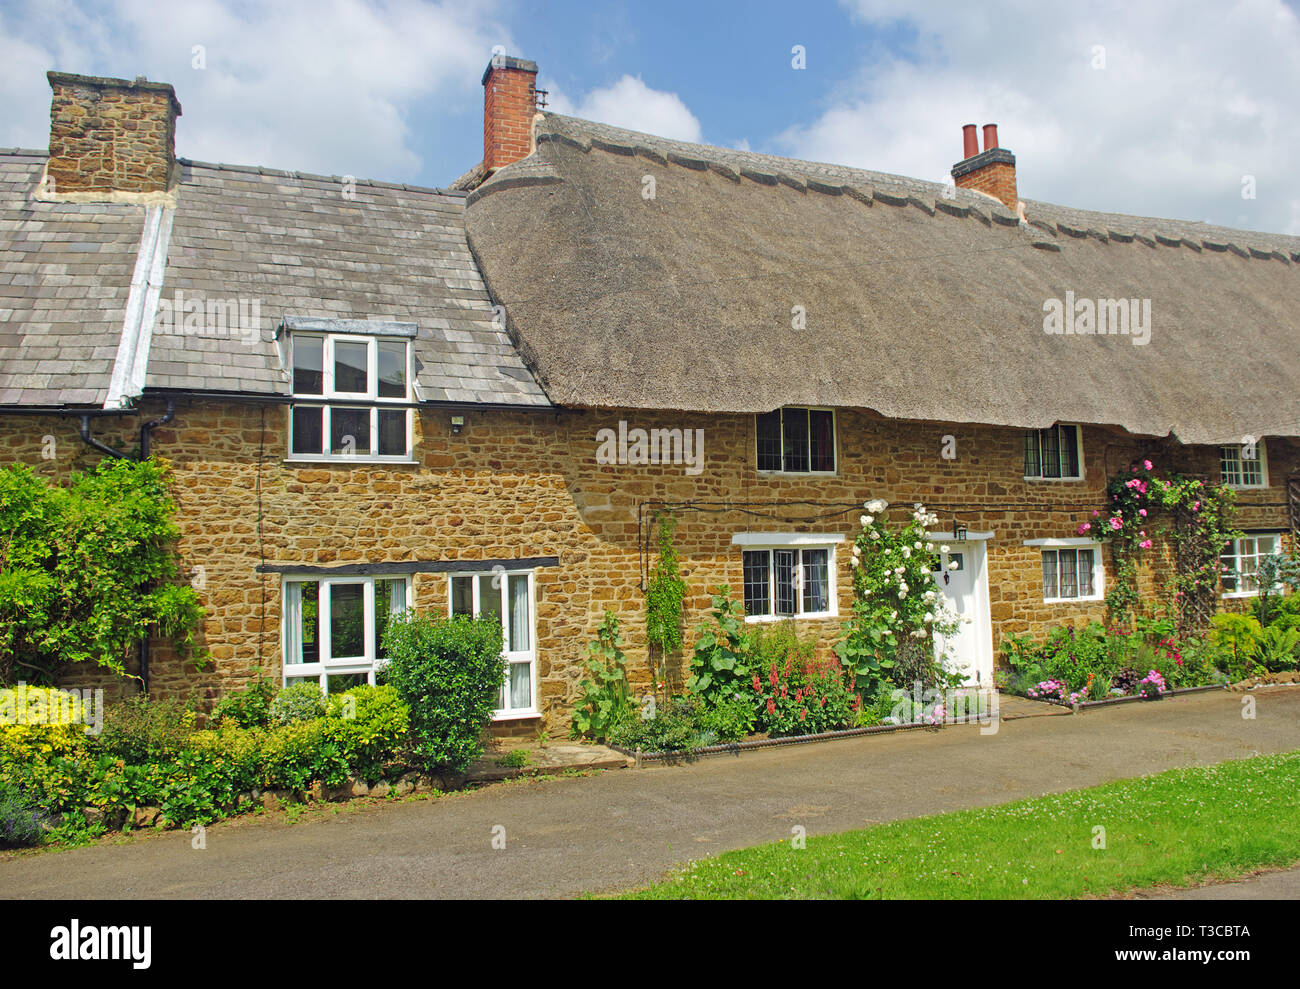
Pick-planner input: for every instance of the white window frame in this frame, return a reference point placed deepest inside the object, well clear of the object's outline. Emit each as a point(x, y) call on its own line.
point(797, 543)
point(835, 444)
point(1236, 545)
point(1045, 546)
point(330, 398)
point(529, 655)
point(322, 669)
point(1078, 442)
point(1261, 458)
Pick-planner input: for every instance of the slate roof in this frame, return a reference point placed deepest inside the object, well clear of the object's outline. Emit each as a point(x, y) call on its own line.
point(292, 242)
point(65, 272)
point(919, 305)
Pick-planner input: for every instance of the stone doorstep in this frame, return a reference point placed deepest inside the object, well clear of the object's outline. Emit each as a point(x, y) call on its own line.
point(542, 761)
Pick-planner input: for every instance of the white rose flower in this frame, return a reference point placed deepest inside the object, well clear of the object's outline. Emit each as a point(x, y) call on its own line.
point(916, 545)
point(901, 595)
point(943, 549)
point(874, 534)
point(864, 520)
point(857, 550)
point(928, 618)
point(953, 565)
point(893, 615)
point(907, 553)
point(853, 560)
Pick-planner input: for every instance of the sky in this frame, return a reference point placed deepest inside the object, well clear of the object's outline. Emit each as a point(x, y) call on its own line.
point(1183, 109)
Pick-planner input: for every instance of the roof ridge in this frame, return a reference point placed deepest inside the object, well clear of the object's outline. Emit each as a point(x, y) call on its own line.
point(312, 176)
point(25, 152)
point(1169, 231)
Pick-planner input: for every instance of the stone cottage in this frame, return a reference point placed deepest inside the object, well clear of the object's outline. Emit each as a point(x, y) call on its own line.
point(476, 399)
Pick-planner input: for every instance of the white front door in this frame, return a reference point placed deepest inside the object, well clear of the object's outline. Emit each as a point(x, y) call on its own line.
point(962, 579)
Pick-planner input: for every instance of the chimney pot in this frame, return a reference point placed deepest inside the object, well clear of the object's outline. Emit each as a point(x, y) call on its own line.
point(509, 103)
point(970, 145)
point(992, 171)
point(990, 136)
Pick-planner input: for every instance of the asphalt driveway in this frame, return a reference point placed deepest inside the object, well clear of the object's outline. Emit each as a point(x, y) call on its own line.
point(627, 827)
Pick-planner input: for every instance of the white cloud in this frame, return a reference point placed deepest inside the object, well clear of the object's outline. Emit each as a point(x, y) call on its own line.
point(1193, 96)
point(632, 104)
point(314, 85)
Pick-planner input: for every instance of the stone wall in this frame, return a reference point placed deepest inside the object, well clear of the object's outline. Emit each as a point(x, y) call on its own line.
point(527, 484)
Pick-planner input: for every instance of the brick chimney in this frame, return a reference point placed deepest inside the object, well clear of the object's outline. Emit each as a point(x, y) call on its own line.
point(110, 135)
point(991, 171)
point(509, 103)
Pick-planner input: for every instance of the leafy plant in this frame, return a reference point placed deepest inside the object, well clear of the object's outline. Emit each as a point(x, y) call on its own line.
point(665, 591)
point(606, 700)
point(804, 698)
point(298, 702)
point(720, 658)
point(515, 759)
point(140, 730)
point(1277, 647)
point(1238, 637)
point(672, 728)
point(22, 820)
point(249, 706)
point(86, 570)
point(450, 672)
point(369, 725)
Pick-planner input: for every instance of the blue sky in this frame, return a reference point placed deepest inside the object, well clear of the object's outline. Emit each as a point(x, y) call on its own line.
point(1159, 108)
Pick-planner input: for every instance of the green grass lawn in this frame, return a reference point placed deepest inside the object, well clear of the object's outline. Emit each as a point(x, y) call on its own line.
point(1180, 827)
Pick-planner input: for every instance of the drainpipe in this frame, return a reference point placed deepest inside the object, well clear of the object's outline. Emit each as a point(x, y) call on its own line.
point(92, 442)
point(145, 430)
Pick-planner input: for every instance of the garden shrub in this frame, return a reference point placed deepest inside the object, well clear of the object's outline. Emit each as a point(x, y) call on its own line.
point(1237, 636)
point(721, 660)
point(249, 706)
point(369, 725)
point(296, 755)
point(299, 702)
point(673, 728)
point(795, 698)
point(139, 730)
point(89, 568)
point(728, 719)
point(22, 821)
point(450, 672)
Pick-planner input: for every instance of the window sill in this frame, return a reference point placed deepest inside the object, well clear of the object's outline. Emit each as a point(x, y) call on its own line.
point(796, 473)
point(1237, 595)
point(1090, 598)
point(768, 619)
point(302, 461)
point(1057, 480)
point(514, 715)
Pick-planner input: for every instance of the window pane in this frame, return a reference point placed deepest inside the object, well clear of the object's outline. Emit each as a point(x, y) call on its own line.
point(310, 622)
point(307, 430)
point(1229, 463)
point(1051, 444)
point(794, 433)
point(350, 366)
point(347, 621)
point(392, 432)
point(1229, 562)
point(489, 597)
point(1069, 573)
point(308, 362)
point(816, 580)
point(521, 686)
point(783, 562)
point(462, 596)
point(339, 682)
point(1033, 466)
point(392, 368)
point(294, 681)
point(1069, 451)
point(1050, 585)
point(769, 441)
point(1252, 470)
point(822, 425)
point(350, 431)
point(1086, 562)
point(390, 600)
point(520, 622)
point(755, 563)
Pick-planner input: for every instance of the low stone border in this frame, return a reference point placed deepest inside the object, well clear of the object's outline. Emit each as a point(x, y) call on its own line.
point(1138, 697)
point(686, 755)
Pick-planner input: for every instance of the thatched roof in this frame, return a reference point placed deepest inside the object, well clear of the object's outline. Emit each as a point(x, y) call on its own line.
point(918, 306)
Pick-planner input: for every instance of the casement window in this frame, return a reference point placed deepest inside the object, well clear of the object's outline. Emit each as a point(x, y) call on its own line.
point(333, 627)
point(508, 597)
point(1241, 558)
point(1054, 454)
point(1072, 574)
point(351, 397)
point(796, 441)
point(789, 581)
point(1239, 470)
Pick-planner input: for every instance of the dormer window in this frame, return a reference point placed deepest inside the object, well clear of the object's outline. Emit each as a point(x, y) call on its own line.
point(352, 393)
point(1054, 454)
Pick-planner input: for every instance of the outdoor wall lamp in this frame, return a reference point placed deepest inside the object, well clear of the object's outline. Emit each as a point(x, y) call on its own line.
point(457, 424)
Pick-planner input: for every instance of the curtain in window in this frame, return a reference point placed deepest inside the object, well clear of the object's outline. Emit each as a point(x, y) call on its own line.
point(521, 686)
point(1049, 574)
point(1086, 586)
point(756, 564)
point(816, 582)
point(292, 623)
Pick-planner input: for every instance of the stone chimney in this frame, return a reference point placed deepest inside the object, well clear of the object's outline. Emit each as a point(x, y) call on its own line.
point(992, 171)
point(509, 104)
point(110, 136)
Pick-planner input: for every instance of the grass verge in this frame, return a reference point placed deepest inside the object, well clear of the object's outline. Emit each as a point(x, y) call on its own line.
point(1182, 827)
